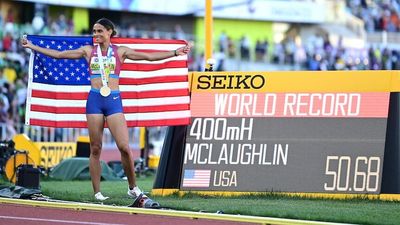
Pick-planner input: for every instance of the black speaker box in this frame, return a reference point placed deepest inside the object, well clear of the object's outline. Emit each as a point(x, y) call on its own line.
point(28, 176)
point(82, 149)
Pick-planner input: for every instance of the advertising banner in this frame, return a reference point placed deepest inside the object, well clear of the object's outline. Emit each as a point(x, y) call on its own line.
point(52, 153)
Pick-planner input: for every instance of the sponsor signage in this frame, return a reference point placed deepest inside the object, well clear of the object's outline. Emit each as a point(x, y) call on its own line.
point(52, 153)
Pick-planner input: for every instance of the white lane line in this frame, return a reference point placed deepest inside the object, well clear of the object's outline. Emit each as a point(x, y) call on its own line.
point(56, 221)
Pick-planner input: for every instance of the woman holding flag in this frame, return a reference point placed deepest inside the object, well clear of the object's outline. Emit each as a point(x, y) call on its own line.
point(104, 101)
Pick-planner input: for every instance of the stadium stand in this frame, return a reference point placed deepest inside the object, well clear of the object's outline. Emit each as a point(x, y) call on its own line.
point(380, 18)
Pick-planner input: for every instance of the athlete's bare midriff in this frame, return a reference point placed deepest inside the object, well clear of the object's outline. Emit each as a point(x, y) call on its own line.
point(112, 83)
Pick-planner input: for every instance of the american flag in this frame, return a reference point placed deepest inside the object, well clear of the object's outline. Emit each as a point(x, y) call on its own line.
point(196, 178)
point(154, 93)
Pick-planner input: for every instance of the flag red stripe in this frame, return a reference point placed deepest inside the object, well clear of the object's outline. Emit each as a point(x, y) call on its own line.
point(127, 109)
point(82, 124)
point(120, 40)
point(58, 110)
point(52, 123)
point(152, 67)
point(59, 95)
point(152, 80)
point(159, 108)
point(124, 95)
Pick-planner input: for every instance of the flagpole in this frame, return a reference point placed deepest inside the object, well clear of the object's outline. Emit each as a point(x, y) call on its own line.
point(208, 22)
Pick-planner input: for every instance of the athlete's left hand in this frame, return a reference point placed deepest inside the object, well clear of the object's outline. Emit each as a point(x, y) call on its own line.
point(183, 50)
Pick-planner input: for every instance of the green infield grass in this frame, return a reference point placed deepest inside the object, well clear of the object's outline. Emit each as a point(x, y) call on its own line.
point(358, 211)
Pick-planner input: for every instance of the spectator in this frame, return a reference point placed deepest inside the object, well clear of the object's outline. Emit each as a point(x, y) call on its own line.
point(223, 42)
point(154, 33)
point(289, 51)
point(313, 63)
point(179, 34)
point(245, 48)
point(9, 71)
point(7, 42)
point(8, 91)
point(231, 48)
point(10, 16)
point(3, 80)
point(265, 46)
point(132, 31)
point(300, 57)
point(20, 96)
point(259, 51)
point(4, 100)
point(219, 61)
point(279, 54)
point(6, 124)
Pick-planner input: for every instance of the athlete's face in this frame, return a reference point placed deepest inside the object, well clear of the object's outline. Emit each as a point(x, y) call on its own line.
point(100, 33)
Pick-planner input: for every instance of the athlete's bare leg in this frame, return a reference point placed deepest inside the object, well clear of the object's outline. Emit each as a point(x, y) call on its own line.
point(96, 127)
point(119, 130)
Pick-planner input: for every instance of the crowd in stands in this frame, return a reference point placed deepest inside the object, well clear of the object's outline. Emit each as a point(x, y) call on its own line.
point(378, 15)
point(315, 53)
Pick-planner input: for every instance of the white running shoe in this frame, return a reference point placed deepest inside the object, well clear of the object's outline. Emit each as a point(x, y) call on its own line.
point(100, 197)
point(135, 192)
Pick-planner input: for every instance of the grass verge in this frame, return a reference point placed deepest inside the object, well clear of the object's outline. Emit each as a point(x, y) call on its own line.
point(358, 211)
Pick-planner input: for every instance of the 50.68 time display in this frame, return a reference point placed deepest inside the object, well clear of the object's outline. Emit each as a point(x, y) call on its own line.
point(346, 174)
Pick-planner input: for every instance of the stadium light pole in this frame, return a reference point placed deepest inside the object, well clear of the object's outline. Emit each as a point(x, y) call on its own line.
point(208, 23)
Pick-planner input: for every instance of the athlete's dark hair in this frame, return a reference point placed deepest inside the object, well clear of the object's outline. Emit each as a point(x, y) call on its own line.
point(108, 25)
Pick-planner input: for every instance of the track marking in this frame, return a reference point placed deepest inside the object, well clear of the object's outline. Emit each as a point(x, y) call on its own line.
point(56, 221)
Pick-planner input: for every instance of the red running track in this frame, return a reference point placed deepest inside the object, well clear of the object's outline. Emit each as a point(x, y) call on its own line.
point(13, 214)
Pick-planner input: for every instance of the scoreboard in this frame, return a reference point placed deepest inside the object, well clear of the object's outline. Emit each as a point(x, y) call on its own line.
point(287, 132)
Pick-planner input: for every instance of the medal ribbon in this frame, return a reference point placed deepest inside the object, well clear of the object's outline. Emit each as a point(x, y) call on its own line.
point(104, 70)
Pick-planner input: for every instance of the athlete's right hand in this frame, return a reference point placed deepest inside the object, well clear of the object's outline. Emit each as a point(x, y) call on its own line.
point(24, 42)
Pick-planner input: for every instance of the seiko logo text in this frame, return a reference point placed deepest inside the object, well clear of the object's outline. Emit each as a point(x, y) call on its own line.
point(230, 82)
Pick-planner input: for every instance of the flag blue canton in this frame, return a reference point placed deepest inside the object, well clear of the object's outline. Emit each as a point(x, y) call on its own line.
point(189, 174)
point(48, 70)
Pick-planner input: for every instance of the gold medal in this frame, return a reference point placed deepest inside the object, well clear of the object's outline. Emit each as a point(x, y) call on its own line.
point(105, 91)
